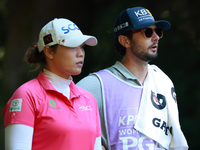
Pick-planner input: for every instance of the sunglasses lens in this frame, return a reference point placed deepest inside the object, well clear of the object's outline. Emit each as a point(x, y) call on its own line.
point(159, 32)
point(148, 32)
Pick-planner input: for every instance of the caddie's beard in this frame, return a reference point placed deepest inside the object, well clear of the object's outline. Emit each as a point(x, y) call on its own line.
point(142, 53)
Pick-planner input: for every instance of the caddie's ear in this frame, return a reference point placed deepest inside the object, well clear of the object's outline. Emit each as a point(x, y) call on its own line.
point(124, 41)
point(48, 52)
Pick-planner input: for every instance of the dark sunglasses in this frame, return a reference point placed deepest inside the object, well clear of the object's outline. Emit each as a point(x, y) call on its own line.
point(148, 32)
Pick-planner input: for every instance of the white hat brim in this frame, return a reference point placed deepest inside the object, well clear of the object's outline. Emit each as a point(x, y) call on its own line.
point(80, 39)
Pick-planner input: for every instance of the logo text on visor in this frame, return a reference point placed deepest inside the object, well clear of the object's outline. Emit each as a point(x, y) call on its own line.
point(70, 27)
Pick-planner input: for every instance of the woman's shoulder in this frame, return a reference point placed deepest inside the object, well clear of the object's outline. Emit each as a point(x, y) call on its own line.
point(31, 87)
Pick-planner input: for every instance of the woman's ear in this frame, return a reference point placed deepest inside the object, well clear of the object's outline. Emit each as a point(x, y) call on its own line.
point(124, 41)
point(48, 52)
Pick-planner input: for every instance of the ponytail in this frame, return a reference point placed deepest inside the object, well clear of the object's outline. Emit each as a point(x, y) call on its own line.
point(34, 57)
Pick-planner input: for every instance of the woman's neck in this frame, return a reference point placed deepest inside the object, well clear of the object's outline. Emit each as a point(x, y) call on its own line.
point(59, 83)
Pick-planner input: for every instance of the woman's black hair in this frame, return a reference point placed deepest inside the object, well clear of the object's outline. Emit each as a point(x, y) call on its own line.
point(33, 56)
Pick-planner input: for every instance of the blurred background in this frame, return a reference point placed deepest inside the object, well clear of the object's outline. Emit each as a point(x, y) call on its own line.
point(179, 49)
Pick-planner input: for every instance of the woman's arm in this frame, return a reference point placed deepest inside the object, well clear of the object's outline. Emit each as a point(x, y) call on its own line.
point(97, 145)
point(18, 137)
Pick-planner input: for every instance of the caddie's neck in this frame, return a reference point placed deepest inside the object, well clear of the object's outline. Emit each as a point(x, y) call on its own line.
point(136, 66)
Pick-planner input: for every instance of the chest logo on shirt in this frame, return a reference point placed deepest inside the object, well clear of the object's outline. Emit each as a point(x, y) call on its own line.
point(53, 104)
point(85, 108)
point(16, 105)
point(158, 101)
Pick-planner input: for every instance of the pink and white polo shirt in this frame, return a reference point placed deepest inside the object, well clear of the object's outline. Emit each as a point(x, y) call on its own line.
point(59, 123)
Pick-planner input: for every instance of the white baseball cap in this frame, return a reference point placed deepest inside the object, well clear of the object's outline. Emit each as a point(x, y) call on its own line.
point(63, 32)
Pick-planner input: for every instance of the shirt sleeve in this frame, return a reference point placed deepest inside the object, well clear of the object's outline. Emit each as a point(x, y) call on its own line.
point(97, 145)
point(92, 84)
point(18, 136)
point(20, 109)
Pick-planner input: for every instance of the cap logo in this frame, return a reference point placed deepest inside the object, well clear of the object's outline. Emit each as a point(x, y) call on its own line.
point(143, 14)
point(47, 39)
point(69, 28)
point(121, 26)
point(148, 12)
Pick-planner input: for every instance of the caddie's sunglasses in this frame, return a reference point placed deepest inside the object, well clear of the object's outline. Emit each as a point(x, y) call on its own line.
point(148, 32)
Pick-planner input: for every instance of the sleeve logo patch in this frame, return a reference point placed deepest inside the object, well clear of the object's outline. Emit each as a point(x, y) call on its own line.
point(16, 105)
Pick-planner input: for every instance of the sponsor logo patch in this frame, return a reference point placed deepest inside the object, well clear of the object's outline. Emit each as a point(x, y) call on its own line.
point(16, 105)
point(53, 105)
point(47, 39)
point(158, 100)
point(85, 108)
point(70, 27)
point(173, 94)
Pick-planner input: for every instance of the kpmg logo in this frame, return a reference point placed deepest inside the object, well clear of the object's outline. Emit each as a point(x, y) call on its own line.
point(70, 27)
